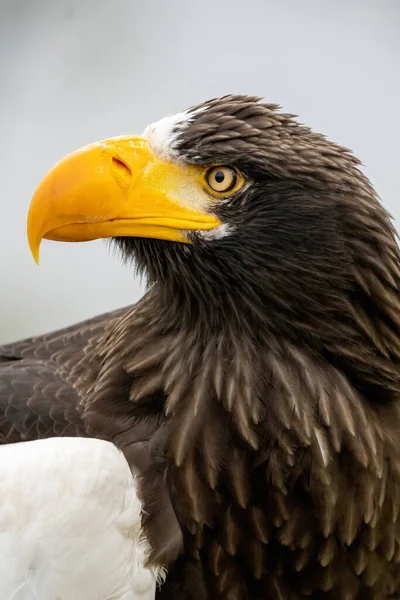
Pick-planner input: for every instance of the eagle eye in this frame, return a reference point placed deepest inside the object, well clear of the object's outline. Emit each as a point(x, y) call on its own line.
point(222, 179)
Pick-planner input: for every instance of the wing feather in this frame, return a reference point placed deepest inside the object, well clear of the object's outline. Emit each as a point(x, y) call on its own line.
point(38, 398)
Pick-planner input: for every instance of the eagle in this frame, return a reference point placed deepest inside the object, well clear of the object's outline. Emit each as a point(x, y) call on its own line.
point(235, 435)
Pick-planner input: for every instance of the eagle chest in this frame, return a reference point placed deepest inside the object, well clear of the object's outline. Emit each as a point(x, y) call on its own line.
point(283, 493)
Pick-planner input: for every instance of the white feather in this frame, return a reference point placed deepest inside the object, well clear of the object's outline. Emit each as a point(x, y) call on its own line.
point(163, 134)
point(217, 233)
point(70, 523)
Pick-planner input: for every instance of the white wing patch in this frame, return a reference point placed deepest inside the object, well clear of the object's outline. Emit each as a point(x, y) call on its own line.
point(70, 523)
point(162, 134)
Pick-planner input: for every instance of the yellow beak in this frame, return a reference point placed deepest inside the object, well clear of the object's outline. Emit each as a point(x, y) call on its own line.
point(114, 188)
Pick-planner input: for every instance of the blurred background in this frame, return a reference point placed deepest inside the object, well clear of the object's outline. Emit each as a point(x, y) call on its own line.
point(75, 71)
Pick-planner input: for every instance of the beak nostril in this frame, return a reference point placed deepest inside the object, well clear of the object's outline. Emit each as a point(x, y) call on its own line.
point(121, 170)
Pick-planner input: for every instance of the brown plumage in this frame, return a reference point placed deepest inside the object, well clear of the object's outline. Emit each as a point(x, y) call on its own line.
point(256, 385)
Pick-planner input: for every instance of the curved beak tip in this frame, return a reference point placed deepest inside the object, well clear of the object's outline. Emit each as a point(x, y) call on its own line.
point(35, 254)
point(34, 246)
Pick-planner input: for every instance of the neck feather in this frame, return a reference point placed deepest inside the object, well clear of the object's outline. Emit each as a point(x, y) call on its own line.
point(210, 409)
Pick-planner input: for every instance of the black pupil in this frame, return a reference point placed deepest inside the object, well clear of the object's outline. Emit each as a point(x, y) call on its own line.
point(219, 176)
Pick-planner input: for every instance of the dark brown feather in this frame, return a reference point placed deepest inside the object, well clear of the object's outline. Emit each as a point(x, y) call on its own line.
point(37, 394)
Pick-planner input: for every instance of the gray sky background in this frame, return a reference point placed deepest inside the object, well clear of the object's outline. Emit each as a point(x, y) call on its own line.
point(75, 71)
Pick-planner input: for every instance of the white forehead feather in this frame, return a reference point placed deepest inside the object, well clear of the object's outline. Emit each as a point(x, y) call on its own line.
point(162, 135)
